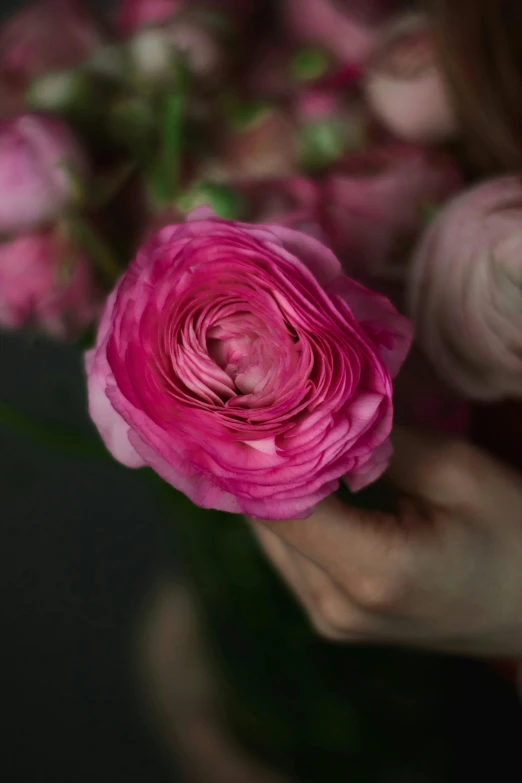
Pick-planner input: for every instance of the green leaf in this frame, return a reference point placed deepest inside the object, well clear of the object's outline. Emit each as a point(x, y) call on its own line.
point(225, 201)
point(309, 65)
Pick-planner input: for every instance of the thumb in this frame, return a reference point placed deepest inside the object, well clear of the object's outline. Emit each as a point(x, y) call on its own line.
point(339, 538)
point(433, 467)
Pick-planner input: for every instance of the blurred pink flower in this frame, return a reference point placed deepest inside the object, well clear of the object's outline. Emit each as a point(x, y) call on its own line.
point(404, 85)
point(155, 49)
point(258, 143)
point(41, 163)
point(377, 201)
point(293, 203)
point(277, 70)
point(345, 28)
point(46, 284)
point(330, 125)
point(240, 364)
point(133, 15)
point(466, 291)
point(48, 36)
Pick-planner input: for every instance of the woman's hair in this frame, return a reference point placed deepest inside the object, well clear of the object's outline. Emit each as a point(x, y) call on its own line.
point(481, 53)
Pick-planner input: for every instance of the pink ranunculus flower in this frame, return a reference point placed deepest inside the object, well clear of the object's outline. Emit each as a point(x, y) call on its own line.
point(376, 203)
point(48, 36)
point(41, 163)
point(404, 84)
point(466, 291)
point(240, 364)
point(345, 28)
point(46, 284)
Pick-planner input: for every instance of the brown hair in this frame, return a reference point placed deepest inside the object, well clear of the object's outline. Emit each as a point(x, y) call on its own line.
point(481, 53)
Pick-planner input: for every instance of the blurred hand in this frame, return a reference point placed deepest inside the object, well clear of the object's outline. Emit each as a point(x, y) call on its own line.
point(444, 572)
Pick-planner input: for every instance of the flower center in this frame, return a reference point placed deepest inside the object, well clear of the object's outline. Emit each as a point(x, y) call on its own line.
point(244, 350)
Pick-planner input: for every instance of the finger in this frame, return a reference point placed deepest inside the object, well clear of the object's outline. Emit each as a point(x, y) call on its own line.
point(328, 609)
point(430, 466)
point(356, 548)
point(279, 555)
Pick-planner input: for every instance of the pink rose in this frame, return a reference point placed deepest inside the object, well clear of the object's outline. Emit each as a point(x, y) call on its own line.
point(48, 36)
point(242, 366)
point(466, 291)
point(346, 28)
point(45, 283)
point(404, 85)
point(376, 202)
point(40, 160)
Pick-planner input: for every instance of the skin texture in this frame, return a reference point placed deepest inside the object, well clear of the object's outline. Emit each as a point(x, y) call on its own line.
point(444, 572)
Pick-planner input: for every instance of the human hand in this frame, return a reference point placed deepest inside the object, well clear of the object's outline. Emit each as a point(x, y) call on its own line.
point(444, 572)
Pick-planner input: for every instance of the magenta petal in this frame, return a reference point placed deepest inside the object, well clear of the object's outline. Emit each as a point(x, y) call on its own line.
point(319, 259)
point(203, 212)
point(113, 429)
point(371, 470)
point(391, 332)
point(199, 488)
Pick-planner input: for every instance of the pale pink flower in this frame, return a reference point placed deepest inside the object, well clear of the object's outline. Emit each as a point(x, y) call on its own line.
point(41, 163)
point(466, 291)
point(240, 364)
point(404, 84)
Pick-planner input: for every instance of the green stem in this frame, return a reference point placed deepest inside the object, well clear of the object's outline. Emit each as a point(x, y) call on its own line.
point(91, 241)
point(166, 176)
point(51, 435)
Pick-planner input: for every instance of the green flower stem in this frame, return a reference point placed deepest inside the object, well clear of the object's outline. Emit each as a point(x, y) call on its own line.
point(92, 243)
point(166, 176)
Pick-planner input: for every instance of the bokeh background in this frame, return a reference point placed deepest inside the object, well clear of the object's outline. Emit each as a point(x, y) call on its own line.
point(82, 542)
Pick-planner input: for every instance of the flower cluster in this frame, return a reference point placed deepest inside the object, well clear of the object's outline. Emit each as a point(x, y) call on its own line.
point(280, 173)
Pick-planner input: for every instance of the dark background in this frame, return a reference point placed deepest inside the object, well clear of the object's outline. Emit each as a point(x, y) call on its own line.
point(81, 544)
